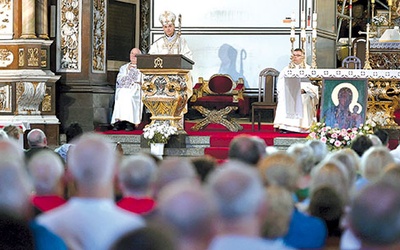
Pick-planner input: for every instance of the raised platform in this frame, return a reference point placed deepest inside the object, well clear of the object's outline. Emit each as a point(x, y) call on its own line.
point(214, 140)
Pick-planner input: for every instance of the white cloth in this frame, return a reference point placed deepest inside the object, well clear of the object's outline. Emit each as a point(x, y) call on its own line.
point(171, 45)
point(128, 104)
point(85, 223)
point(295, 111)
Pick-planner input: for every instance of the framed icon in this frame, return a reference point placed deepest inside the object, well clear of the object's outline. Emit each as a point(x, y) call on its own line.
point(344, 102)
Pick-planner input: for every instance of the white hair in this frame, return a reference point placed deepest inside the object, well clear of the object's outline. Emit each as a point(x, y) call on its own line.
point(92, 160)
point(46, 170)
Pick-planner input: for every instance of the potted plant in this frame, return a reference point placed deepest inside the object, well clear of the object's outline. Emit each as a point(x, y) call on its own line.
point(158, 135)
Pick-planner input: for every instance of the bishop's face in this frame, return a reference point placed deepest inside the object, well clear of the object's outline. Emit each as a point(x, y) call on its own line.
point(132, 56)
point(169, 29)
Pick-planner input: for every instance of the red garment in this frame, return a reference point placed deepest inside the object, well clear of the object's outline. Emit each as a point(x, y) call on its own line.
point(47, 202)
point(137, 205)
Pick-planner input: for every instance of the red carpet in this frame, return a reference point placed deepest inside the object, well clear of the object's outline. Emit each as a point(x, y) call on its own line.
point(220, 137)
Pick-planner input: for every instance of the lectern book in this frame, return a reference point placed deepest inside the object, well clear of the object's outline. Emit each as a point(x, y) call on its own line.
point(164, 62)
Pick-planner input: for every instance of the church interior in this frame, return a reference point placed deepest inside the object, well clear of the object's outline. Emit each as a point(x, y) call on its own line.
point(60, 58)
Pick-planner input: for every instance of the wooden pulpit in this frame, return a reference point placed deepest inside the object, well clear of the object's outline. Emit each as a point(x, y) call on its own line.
point(166, 86)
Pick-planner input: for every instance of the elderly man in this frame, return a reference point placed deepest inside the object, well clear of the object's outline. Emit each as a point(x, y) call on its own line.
point(91, 220)
point(128, 104)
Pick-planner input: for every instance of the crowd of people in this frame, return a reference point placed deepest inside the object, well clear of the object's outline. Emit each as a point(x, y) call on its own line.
point(305, 197)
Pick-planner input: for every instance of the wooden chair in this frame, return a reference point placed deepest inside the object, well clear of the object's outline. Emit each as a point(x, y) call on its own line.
point(266, 94)
point(351, 62)
point(216, 98)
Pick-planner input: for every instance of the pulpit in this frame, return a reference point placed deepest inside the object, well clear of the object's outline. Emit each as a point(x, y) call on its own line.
point(166, 87)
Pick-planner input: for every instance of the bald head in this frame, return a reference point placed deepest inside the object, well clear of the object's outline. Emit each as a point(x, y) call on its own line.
point(37, 138)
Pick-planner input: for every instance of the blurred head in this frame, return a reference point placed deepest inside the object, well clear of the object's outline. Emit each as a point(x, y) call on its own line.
point(12, 131)
point(279, 212)
point(46, 170)
point(174, 169)
point(73, 131)
point(241, 146)
point(375, 215)
point(188, 209)
point(304, 155)
point(92, 161)
point(373, 161)
point(360, 144)
point(320, 150)
point(36, 138)
point(204, 165)
point(334, 175)
point(350, 160)
point(137, 174)
point(132, 55)
point(15, 185)
point(237, 190)
point(280, 169)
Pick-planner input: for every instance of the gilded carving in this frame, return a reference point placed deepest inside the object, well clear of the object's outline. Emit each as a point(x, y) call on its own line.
point(5, 97)
point(145, 25)
point(99, 26)
point(33, 57)
point(6, 58)
point(29, 96)
point(46, 103)
point(21, 57)
point(70, 34)
point(6, 15)
point(43, 60)
point(165, 96)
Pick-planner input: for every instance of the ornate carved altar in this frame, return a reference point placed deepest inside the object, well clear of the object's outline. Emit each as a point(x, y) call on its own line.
point(165, 87)
point(384, 55)
point(383, 87)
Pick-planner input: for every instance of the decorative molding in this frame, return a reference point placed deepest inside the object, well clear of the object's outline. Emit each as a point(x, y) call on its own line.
point(6, 19)
point(99, 36)
point(6, 58)
point(342, 73)
point(5, 98)
point(32, 57)
point(145, 25)
point(69, 36)
point(29, 96)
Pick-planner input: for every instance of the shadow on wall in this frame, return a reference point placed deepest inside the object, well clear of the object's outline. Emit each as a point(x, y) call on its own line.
point(228, 56)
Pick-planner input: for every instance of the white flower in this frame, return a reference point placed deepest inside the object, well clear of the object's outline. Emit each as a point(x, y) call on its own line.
point(159, 132)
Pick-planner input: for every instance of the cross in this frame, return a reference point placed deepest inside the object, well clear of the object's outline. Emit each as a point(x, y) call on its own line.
point(368, 33)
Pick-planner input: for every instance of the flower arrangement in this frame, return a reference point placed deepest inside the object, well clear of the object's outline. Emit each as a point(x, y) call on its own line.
point(159, 132)
point(336, 138)
point(379, 20)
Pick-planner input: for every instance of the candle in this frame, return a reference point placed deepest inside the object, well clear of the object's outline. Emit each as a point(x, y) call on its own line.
point(314, 20)
point(292, 33)
point(293, 20)
point(303, 33)
point(372, 1)
point(390, 2)
point(303, 20)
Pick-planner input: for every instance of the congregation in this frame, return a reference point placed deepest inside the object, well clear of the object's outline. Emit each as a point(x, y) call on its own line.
point(305, 197)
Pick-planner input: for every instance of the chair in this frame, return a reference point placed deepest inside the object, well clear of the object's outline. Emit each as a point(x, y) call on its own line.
point(351, 62)
point(266, 94)
point(359, 49)
point(216, 98)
